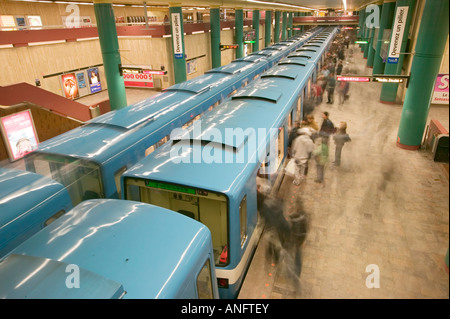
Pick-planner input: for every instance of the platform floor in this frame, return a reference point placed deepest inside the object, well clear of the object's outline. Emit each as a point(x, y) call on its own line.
point(384, 206)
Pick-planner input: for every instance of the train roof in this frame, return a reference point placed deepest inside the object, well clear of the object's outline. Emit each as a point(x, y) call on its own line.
point(261, 104)
point(127, 246)
point(20, 191)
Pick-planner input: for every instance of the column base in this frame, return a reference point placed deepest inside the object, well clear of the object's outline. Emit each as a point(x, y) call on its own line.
point(408, 147)
point(388, 102)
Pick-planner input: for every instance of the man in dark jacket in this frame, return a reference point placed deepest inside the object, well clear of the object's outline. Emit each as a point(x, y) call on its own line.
point(327, 128)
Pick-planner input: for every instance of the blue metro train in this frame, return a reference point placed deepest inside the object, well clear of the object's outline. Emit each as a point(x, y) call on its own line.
point(209, 171)
point(111, 248)
point(89, 160)
point(219, 193)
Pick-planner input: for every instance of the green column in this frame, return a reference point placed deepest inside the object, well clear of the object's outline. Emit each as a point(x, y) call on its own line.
point(216, 58)
point(430, 45)
point(387, 14)
point(366, 46)
point(284, 26)
point(109, 44)
point(371, 50)
point(256, 27)
point(362, 26)
point(389, 90)
point(239, 29)
point(276, 33)
point(268, 28)
point(179, 60)
point(290, 24)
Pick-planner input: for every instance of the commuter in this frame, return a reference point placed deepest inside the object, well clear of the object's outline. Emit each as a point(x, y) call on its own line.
point(340, 138)
point(321, 157)
point(276, 227)
point(339, 68)
point(292, 135)
point(323, 78)
point(331, 84)
point(302, 148)
point(343, 88)
point(327, 128)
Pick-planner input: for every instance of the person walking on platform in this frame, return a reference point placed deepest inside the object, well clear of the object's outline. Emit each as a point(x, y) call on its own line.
point(331, 84)
point(302, 148)
point(340, 138)
point(321, 157)
point(343, 88)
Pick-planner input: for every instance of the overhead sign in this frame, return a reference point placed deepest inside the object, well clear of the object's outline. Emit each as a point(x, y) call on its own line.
point(177, 36)
point(350, 78)
point(19, 134)
point(397, 34)
point(374, 78)
point(229, 46)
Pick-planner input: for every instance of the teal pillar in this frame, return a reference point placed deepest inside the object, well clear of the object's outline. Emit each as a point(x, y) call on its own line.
point(389, 90)
point(430, 45)
point(362, 26)
point(276, 33)
point(371, 50)
point(178, 49)
point(290, 23)
point(216, 57)
point(284, 26)
point(366, 46)
point(256, 27)
point(239, 30)
point(109, 44)
point(387, 14)
point(268, 29)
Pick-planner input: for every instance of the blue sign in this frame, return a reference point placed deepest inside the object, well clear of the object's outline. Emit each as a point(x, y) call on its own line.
point(392, 60)
point(94, 80)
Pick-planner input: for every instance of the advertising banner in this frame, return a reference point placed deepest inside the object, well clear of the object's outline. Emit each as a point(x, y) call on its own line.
point(19, 134)
point(70, 86)
point(440, 94)
point(141, 80)
point(397, 34)
point(177, 36)
point(94, 80)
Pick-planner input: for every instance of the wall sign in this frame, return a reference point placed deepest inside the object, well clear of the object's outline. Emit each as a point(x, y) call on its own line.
point(177, 36)
point(397, 34)
point(440, 95)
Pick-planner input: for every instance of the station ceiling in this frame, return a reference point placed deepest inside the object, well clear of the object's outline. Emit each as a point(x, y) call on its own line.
point(284, 5)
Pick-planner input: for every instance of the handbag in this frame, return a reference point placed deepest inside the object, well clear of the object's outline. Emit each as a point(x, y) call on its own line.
point(290, 168)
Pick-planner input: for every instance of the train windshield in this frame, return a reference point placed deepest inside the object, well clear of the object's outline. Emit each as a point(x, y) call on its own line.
point(81, 178)
point(207, 207)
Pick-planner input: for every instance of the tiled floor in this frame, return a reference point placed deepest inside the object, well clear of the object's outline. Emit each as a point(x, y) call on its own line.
point(383, 206)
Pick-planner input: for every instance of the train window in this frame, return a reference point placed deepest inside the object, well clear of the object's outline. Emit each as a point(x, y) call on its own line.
point(204, 282)
point(256, 76)
point(243, 219)
point(150, 150)
point(207, 207)
point(244, 83)
point(54, 217)
point(117, 179)
point(81, 178)
point(299, 108)
point(232, 93)
point(280, 146)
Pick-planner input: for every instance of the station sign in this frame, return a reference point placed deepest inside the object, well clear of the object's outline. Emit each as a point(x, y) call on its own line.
point(374, 78)
point(351, 78)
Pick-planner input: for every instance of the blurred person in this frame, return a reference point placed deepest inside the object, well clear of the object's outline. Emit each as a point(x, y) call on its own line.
point(340, 138)
point(321, 157)
point(331, 84)
point(302, 148)
point(327, 128)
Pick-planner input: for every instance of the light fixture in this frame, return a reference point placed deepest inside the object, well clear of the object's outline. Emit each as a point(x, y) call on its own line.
point(345, 4)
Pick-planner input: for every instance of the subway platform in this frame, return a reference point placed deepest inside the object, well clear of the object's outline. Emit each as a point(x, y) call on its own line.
point(384, 206)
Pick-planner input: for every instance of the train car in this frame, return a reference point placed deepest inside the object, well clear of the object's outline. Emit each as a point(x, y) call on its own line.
point(109, 248)
point(89, 159)
point(28, 203)
point(209, 171)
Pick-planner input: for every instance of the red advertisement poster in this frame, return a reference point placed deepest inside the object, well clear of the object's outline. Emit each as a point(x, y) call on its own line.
point(19, 134)
point(70, 87)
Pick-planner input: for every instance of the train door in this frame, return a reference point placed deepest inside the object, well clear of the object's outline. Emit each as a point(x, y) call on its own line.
point(299, 108)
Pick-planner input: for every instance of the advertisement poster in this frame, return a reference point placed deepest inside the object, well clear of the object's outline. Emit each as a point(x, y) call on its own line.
point(70, 86)
point(141, 80)
point(94, 80)
point(440, 94)
point(19, 134)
